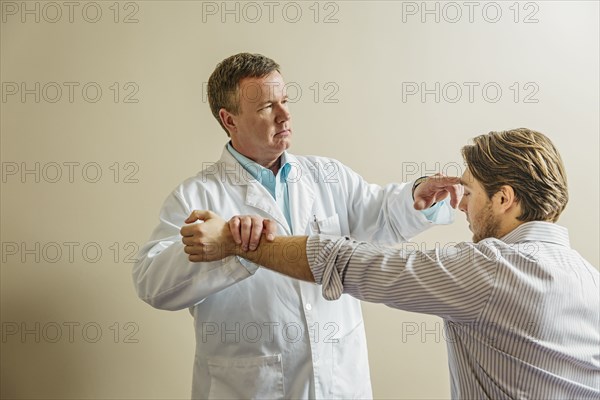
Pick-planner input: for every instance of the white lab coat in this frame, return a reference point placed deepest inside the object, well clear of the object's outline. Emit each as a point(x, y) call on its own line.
point(260, 334)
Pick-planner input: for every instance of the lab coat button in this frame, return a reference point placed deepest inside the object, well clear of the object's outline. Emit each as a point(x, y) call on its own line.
point(308, 306)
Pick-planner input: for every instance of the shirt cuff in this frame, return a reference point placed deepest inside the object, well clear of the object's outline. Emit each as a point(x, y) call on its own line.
point(440, 214)
point(322, 251)
point(249, 265)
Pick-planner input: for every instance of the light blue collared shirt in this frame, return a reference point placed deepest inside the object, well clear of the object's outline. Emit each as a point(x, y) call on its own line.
point(277, 186)
point(439, 214)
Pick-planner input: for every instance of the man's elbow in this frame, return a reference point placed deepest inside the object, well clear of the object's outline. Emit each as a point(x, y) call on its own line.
point(163, 302)
point(151, 294)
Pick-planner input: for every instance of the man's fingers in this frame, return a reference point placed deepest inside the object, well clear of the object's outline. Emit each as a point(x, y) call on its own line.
point(197, 215)
point(454, 190)
point(269, 229)
point(196, 257)
point(194, 249)
point(234, 228)
point(245, 231)
point(191, 250)
point(441, 181)
point(420, 204)
point(187, 230)
point(199, 258)
point(256, 232)
point(456, 193)
point(188, 240)
point(436, 188)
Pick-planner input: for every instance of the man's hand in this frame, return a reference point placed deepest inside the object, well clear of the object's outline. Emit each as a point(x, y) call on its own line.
point(436, 188)
point(209, 240)
point(248, 229)
point(212, 240)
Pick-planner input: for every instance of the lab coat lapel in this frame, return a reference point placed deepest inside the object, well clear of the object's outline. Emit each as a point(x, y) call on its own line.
point(302, 196)
point(256, 195)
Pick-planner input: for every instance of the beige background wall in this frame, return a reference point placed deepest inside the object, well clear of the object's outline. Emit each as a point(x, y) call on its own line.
point(103, 113)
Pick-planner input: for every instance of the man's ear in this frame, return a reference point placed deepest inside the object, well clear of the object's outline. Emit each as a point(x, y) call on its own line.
point(505, 197)
point(228, 120)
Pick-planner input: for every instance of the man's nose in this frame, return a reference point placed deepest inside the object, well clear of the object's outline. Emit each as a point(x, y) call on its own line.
point(462, 206)
point(283, 114)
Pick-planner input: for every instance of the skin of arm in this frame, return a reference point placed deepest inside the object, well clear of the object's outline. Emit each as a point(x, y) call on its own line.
point(283, 254)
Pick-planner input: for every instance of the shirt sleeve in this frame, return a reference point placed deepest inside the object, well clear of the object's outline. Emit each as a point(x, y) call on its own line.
point(440, 214)
point(384, 214)
point(454, 283)
point(249, 265)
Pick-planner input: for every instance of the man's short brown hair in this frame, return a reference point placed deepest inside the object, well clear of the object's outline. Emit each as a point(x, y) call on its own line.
point(527, 161)
point(223, 84)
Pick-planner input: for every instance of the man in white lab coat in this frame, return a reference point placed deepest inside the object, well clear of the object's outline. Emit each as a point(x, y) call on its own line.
point(260, 334)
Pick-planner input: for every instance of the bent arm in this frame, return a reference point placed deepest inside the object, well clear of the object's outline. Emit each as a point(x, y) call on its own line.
point(387, 214)
point(166, 279)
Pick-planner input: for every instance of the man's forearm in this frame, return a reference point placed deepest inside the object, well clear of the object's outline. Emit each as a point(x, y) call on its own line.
point(286, 255)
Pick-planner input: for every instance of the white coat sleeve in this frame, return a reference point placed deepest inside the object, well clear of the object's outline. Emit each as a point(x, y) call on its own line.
point(383, 214)
point(165, 278)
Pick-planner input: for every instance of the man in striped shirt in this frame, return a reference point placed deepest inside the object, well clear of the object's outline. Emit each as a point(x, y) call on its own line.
point(520, 307)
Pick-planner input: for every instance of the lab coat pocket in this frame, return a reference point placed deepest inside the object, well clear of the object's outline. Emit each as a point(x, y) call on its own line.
point(246, 377)
point(326, 226)
point(350, 360)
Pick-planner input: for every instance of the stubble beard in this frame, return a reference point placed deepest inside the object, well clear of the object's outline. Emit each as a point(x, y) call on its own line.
point(489, 226)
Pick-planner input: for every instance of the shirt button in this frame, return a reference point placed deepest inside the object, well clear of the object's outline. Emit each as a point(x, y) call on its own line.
point(308, 306)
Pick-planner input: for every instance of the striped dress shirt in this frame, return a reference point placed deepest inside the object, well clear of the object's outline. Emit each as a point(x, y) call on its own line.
point(521, 313)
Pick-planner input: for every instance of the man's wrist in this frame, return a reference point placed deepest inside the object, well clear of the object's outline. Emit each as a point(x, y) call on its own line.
point(228, 245)
point(233, 249)
point(417, 182)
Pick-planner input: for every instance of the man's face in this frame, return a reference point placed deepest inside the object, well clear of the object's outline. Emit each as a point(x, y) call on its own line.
point(262, 130)
point(483, 221)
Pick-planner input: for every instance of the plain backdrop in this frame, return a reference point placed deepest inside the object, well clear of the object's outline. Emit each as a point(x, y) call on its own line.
point(104, 112)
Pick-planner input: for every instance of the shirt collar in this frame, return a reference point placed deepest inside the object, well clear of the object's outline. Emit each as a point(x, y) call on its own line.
point(538, 231)
point(258, 171)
